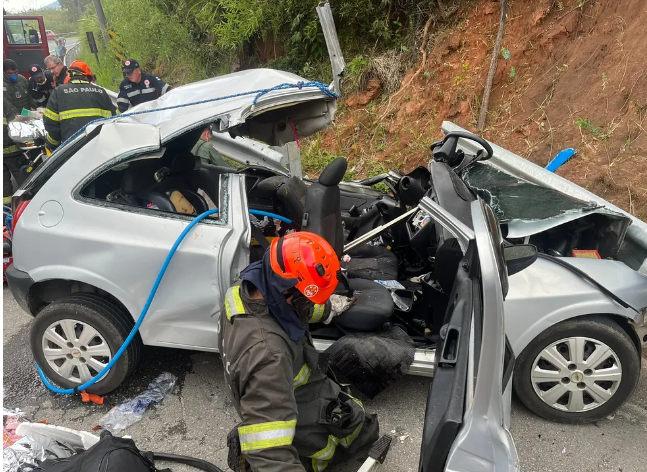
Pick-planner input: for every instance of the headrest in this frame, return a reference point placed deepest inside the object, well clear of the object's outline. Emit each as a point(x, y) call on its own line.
point(334, 172)
point(139, 176)
point(184, 162)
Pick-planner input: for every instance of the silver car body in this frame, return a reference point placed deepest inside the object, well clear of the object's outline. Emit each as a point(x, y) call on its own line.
point(207, 263)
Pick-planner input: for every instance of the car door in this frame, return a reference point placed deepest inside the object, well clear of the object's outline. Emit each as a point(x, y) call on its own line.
point(120, 249)
point(467, 412)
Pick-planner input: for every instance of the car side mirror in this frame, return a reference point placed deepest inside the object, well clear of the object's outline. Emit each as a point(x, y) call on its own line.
point(518, 258)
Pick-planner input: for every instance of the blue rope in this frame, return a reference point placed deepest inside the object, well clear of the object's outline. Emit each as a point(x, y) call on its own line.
point(259, 93)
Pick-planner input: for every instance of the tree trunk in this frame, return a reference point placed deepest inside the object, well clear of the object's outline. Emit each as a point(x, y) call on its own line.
point(493, 62)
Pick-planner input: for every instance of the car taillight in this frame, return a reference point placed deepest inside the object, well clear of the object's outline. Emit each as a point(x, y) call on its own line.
point(19, 209)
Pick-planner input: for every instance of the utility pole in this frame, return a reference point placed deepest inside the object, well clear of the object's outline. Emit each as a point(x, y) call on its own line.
point(102, 19)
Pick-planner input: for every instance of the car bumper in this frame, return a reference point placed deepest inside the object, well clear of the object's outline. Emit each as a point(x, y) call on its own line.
point(19, 283)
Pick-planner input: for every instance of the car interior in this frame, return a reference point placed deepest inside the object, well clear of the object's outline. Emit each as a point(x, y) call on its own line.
point(417, 256)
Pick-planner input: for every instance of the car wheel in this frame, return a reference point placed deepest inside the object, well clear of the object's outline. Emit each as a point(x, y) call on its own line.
point(72, 340)
point(578, 371)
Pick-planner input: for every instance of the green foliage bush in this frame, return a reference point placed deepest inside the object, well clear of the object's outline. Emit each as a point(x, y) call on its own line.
point(59, 21)
point(186, 40)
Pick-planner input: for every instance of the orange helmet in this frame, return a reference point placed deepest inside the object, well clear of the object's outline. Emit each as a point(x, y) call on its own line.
point(79, 68)
point(310, 259)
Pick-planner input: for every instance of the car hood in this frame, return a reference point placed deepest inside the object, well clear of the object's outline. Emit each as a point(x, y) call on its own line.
point(286, 107)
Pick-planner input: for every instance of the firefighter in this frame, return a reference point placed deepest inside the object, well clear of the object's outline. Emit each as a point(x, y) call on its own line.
point(295, 416)
point(138, 87)
point(15, 87)
point(41, 85)
point(12, 158)
point(55, 66)
point(206, 152)
point(73, 105)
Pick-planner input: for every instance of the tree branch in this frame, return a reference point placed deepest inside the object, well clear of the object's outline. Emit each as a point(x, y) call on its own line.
point(493, 63)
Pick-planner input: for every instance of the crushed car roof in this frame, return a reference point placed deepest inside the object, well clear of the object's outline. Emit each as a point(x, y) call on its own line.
point(229, 100)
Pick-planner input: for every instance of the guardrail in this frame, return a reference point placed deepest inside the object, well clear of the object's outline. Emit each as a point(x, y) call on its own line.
point(72, 54)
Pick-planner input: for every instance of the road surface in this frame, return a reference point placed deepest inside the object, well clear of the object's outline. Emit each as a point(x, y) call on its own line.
point(196, 418)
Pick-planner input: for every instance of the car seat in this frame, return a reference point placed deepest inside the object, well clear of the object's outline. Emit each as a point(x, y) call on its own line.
point(286, 194)
point(164, 188)
point(322, 216)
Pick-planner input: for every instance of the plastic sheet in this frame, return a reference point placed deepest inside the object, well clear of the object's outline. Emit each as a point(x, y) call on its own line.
point(373, 361)
point(399, 302)
point(28, 449)
point(27, 131)
point(130, 412)
point(391, 284)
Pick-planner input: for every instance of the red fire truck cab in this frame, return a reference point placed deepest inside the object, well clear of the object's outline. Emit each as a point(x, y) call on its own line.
point(25, 41)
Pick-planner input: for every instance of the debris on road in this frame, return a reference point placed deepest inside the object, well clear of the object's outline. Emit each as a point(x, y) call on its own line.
point(130, 412)
point(24, 445)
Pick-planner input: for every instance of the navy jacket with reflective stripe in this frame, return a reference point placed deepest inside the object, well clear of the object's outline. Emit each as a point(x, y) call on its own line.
point(131, 94)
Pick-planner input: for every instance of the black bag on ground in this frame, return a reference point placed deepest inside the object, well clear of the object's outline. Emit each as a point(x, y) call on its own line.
point(110, 454)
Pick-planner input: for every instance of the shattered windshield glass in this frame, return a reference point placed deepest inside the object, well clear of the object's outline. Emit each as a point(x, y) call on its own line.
point(512, 198)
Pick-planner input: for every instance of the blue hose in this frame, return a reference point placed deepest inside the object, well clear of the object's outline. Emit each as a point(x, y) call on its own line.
point(147, 305)
point(271, 215)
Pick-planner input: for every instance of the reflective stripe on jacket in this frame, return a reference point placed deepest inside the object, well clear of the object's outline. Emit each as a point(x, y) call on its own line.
point(148, 88)
point(294, 416)
point(73, 105)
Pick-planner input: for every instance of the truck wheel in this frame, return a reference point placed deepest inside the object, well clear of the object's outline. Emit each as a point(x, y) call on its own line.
point(72, 339)
point(578, 371)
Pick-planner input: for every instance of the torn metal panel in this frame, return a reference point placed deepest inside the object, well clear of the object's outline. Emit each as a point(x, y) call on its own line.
point(332, 42)
point(248, 152)
point(309, 108)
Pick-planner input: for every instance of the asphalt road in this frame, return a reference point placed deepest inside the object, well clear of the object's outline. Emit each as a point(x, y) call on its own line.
point(195, 418)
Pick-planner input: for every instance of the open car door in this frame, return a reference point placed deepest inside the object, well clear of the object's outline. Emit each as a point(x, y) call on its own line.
point(467, 414)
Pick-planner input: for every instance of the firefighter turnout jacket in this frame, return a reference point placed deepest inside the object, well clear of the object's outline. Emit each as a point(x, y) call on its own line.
point(295, 417)
point(73, 105)
point(147, 89)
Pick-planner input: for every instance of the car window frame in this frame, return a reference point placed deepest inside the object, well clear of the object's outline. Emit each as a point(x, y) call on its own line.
point(9, 32)
point(140, 154)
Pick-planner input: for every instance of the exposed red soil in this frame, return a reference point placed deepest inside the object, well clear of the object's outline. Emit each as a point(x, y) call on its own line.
point(576, 77)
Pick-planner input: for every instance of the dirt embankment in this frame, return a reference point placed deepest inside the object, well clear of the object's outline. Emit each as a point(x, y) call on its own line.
point(571, 74)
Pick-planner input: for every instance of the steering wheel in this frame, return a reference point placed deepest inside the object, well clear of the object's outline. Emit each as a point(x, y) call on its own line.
point(445, 150)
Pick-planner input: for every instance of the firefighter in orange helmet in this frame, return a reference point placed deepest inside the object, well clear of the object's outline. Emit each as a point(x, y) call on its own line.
point(295, 416)
point(74, 104)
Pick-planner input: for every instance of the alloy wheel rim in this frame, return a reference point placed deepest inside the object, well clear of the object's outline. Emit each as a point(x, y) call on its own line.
point(576, 374)
point(75, 350)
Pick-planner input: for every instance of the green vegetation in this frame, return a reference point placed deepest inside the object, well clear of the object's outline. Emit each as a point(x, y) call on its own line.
point(586, 125)
point(187, 40)
point(59, 21)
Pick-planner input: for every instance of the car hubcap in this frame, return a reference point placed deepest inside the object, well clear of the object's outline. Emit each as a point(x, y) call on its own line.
point(75, 350)
point(576, 374)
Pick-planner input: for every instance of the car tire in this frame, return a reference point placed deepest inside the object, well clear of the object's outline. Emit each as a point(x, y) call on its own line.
point(81, 312)
point(600, 337)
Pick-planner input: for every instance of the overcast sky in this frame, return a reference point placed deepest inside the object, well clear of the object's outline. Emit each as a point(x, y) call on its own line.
point(21, 5)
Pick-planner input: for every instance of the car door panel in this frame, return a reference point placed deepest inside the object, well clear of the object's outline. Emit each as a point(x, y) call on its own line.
point(447, 394)
point(120, 249)
point(468, 405)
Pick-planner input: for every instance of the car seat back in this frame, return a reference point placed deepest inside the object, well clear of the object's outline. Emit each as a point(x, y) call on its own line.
point(287, 194)
point(322, 212)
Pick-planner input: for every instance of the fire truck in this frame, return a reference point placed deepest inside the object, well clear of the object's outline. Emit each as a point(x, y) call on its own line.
point(25, 41)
